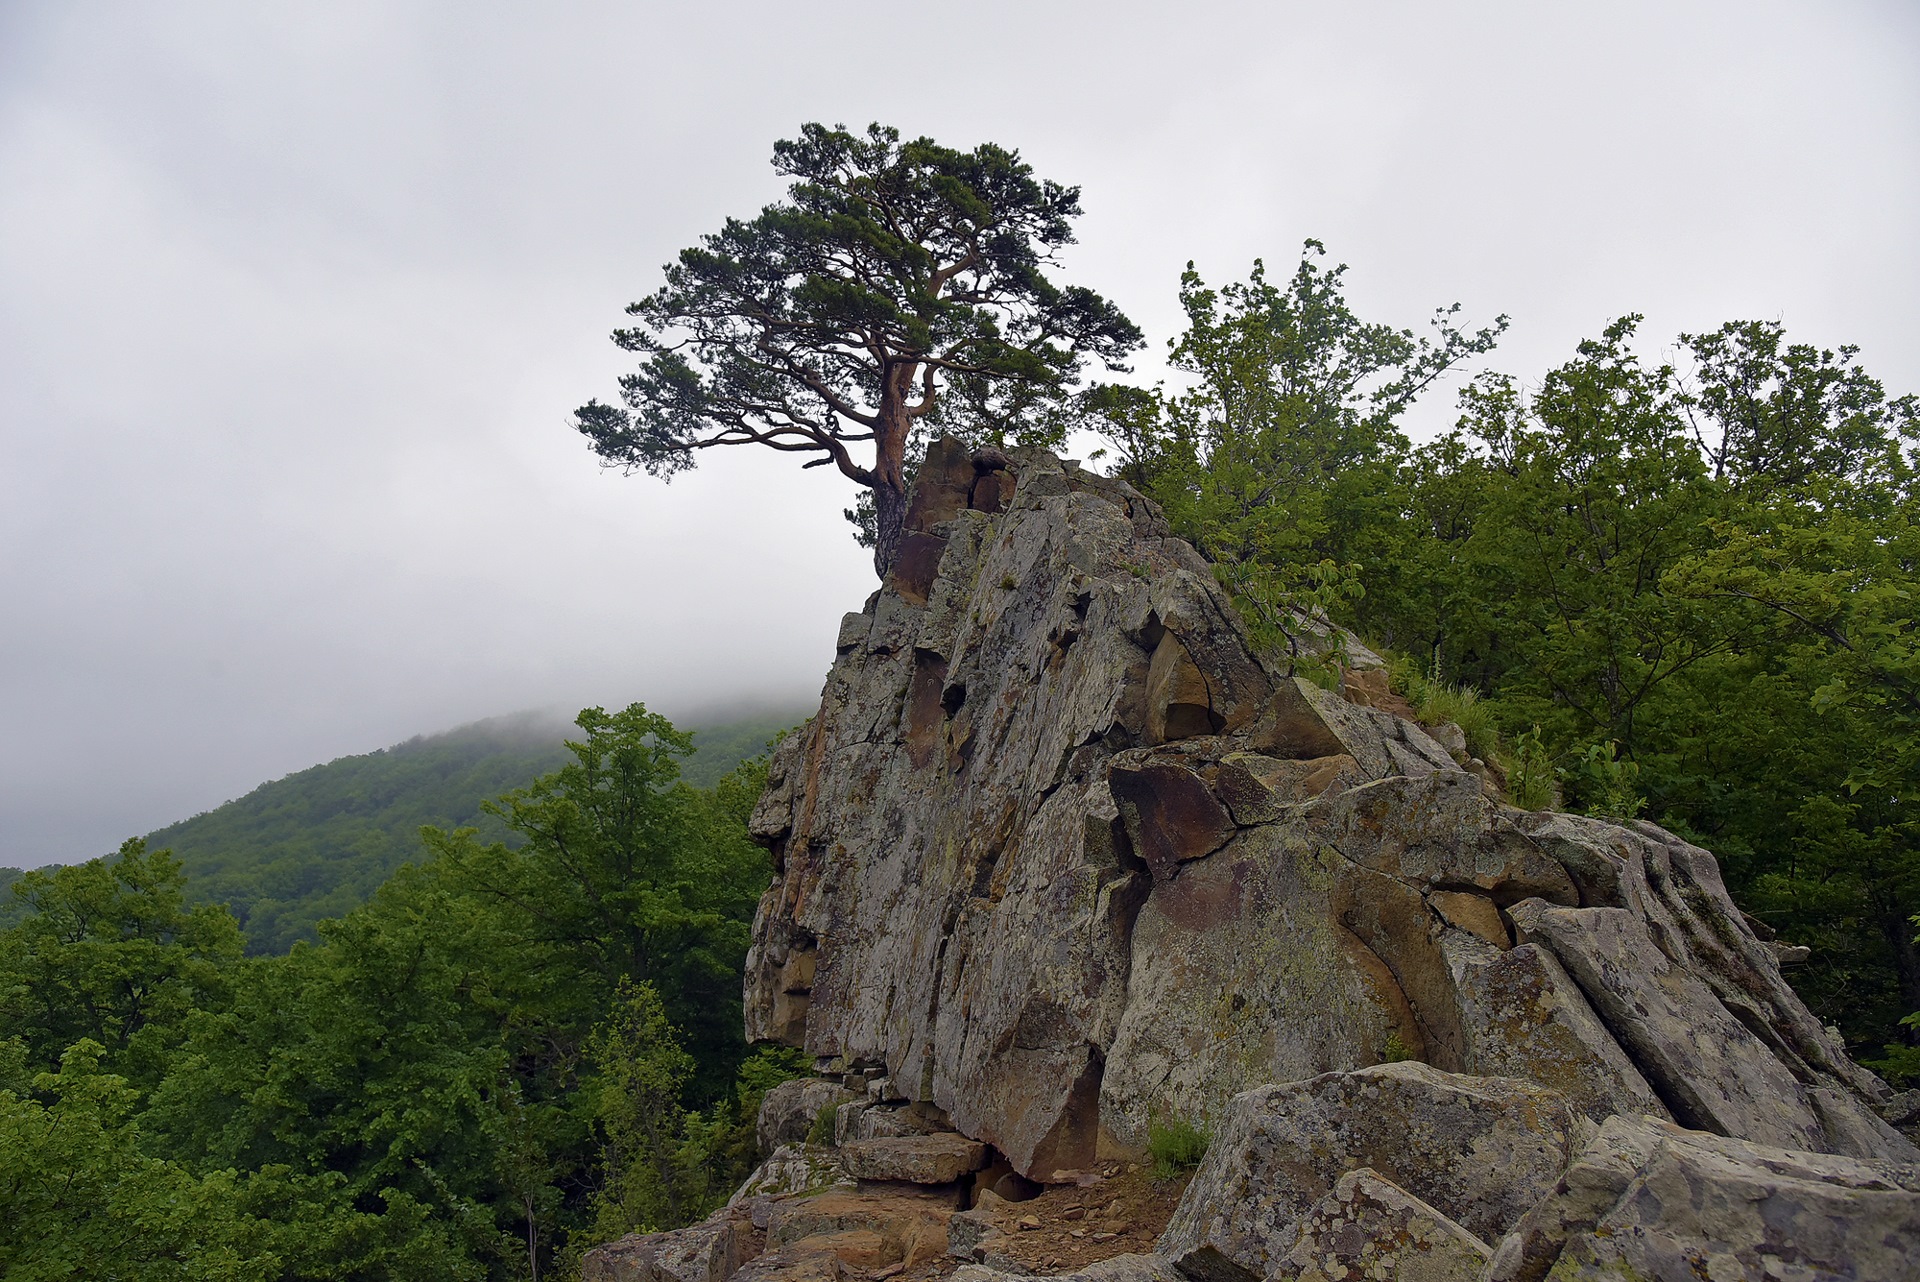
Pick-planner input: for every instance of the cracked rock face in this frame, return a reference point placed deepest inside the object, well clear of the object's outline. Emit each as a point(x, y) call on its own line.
point(1062, 856)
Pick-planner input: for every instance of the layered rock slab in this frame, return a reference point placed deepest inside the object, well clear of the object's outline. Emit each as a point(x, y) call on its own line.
point(1367, 1228)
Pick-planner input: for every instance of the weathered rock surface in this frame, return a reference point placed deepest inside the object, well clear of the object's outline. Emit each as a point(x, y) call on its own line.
point(1479, 1150)
point(1366, 1228)
point(1651, 1200)
point(1060, 853)
point(1118, 1268)
point(908, 1227)
point(789, 1111)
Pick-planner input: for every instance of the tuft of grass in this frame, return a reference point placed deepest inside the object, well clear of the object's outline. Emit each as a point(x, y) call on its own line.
point(1008, 582)
point(1461, 705)
point(1176, 1146)
point(1397, 1051)
point(821, 1132)
point(1436, 701)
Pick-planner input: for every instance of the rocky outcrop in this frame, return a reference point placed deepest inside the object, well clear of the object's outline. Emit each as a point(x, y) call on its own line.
point(790, 1111)
point(914, 1159)
point(710, 1251)
point(1061, 855)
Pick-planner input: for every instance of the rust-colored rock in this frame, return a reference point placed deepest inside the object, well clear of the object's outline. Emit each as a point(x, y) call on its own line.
point(942, 487)
point(917, 565)
point(1171, 815)
point(992, 492)
point(1179, 704)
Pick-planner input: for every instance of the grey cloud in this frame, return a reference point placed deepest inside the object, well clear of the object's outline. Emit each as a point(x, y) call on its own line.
point(294, 301)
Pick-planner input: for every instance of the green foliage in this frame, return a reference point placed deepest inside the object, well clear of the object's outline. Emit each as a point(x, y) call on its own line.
point(1530, 774)
point(821, 1132)
point(1608, 782)
point(638, 1118)
point(1280, 462)
point(453, 1082)
point(1396, 1051)
point(1438, 702)
point(11, 909)
point(623, 873)
point(79, 1199)
point(109, 951)
point(1176, 1145)
point(317, 843)
point(1691, 585)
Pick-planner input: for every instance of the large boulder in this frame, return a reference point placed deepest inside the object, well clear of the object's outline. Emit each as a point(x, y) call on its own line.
point(791, 1168)
point(1061, 854)
point(1479, 1150)
point(1650, 1200)
point(914, 1159)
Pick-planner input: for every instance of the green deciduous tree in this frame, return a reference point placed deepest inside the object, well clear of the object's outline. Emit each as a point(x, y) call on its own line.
point(898, 283)
point(79, 1199)
point(623, 873)
point(429, 1073)
point(109, 950)
point(1280, 462)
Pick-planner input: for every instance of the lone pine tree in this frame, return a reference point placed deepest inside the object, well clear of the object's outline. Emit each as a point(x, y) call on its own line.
point(899, 285)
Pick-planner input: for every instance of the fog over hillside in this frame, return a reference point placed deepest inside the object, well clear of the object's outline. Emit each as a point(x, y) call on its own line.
point(296, 300)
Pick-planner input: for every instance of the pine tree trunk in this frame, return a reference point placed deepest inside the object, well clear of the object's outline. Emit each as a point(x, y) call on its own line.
point(890, 515)
point(889, 470)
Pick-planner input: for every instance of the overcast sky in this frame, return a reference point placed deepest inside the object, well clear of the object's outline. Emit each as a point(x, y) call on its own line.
point(295, 301)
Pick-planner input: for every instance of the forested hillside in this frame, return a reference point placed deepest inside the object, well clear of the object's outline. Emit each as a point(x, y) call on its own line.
point(319, 842)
